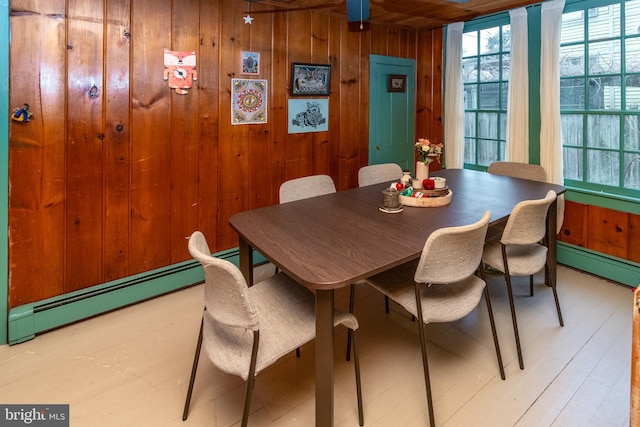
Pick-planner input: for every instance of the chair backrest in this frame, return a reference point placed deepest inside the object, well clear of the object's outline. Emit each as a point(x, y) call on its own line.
point(528, 221)
point(375, 174)
point(226, 294)
point(519, 170)
point(453, 253)
point(305, 187)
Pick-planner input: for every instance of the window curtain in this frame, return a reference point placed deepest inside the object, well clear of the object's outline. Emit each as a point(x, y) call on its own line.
point(517, 147)
point(550, 128)
point(454, 99)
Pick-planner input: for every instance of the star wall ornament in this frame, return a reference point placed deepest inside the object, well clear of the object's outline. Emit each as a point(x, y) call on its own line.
point(248, 19)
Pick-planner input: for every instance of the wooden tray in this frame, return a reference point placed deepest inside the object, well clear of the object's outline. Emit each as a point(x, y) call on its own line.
point(432, 199)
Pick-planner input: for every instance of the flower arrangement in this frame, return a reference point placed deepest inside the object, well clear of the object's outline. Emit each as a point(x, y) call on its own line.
point(427, 150)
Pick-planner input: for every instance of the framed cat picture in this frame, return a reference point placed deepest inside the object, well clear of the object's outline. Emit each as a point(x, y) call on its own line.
point(310, 79)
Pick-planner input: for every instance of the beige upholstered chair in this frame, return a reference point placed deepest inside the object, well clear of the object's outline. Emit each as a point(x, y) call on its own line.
point(524, 171)
point(518, 170)
point(445, 281)
point(246, 329)
point(521, 251)
point(305, 187)
point(375, 174)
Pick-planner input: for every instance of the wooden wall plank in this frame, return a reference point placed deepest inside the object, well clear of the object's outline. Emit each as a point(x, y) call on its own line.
point(184, 144)
point(429, 102)
point(378, 43)
point(336, 29)
point(259, 139)
point(394, 41)
point(233, 146)
point(575, 226)
point(411, 42)
point(633, 238)
point(350, 95)
point(36, 151)
point(150, 137)
point(84, 164)
point(423, 85)
point(299, 146)
point(208, 82)
point(319, 53)
point(608, 230)
point(280, 79)
point(117, 159)
point(436, 103)
point(365, 76)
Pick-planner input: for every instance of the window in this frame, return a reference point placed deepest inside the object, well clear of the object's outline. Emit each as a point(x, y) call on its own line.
point(485, 66)
point(600, 96)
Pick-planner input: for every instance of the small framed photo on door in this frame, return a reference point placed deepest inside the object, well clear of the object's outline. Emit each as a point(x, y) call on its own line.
point(397, 83)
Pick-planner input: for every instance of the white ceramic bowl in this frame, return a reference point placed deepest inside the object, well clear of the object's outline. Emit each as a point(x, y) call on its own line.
point(439, 182)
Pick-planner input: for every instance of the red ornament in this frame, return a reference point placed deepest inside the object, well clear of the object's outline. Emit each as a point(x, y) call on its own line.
point(428, 184)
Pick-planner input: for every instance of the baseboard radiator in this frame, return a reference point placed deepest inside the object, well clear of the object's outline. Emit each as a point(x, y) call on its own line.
point(26, 321)
point(606, 266)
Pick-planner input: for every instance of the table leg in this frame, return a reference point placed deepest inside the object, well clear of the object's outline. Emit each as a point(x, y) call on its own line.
point(552, 224)
point(324, 358)
point(246, 260)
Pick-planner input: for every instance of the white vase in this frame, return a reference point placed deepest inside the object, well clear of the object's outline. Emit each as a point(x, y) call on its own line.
point(422, 170)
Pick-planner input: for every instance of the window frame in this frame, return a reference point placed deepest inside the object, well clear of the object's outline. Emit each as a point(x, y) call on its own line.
point(586, 112)
point(499, 20)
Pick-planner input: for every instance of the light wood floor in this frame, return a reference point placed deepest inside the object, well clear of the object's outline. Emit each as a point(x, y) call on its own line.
point(131, 367)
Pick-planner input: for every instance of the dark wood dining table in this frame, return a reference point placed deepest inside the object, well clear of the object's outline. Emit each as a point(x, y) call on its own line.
point(331, 241)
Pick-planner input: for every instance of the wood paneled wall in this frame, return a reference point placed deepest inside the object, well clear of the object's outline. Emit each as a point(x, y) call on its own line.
point(602, 230)
point(106, 186)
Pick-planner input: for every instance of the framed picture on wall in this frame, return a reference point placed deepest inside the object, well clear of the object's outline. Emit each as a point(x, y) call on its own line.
point(248, 101)
point(397, 83)
point(250, 63)
point(310, 79)
point(308, 115)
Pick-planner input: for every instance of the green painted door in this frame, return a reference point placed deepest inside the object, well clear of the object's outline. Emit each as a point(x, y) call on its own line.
point(392, 114)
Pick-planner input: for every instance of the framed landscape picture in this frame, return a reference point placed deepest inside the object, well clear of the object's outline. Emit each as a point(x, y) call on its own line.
point(310, 79)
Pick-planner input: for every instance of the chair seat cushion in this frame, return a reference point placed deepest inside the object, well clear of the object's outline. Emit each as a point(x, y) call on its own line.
point(286, 312)
point(524, 260)
point(440, 303)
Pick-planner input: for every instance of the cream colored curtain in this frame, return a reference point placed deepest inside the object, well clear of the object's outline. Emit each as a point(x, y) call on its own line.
point(517, 148)
point(550, 129)
point(454, 99)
